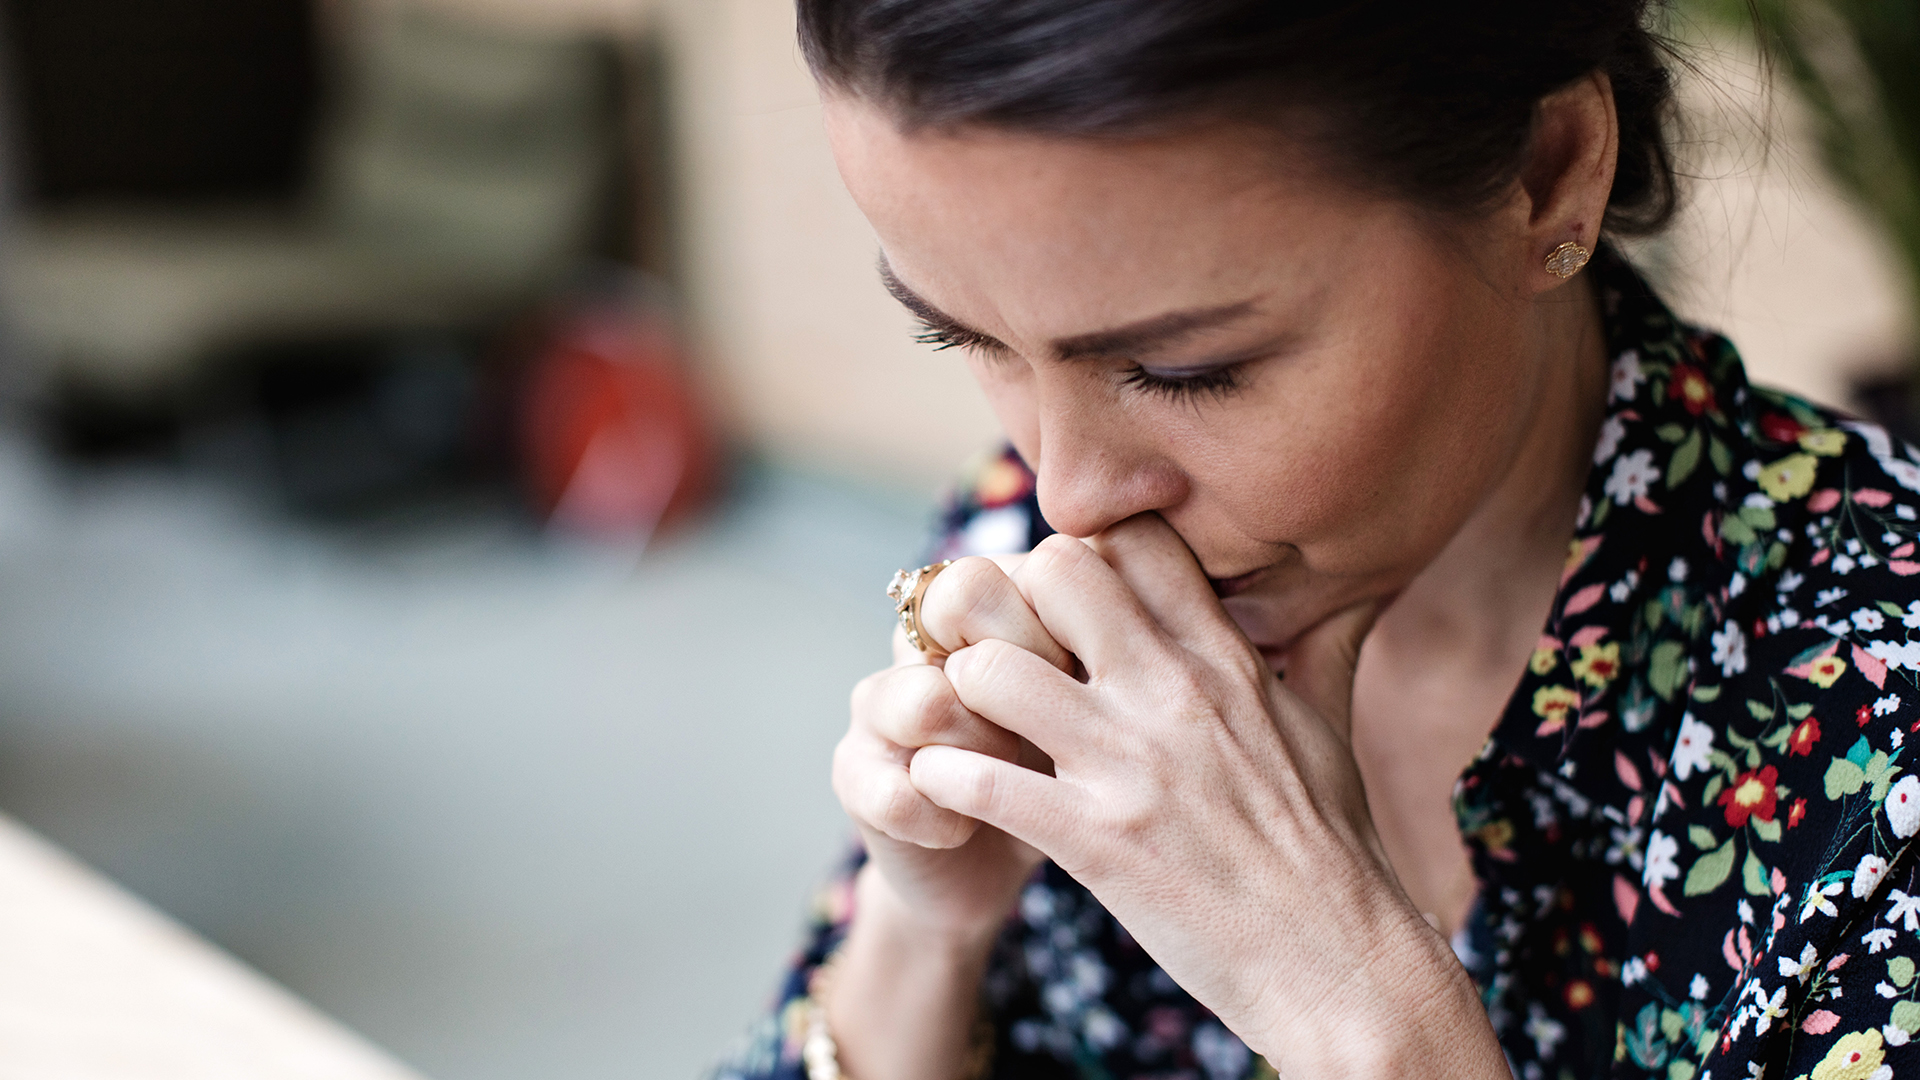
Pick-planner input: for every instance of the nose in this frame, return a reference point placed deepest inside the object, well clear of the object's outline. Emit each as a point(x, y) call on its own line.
point(1096, 471)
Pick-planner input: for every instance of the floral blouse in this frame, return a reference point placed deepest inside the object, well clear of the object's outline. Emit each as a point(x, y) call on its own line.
point(1692, 827)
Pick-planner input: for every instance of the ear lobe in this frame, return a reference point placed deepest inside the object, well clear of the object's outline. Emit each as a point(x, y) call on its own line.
point(1568, 174)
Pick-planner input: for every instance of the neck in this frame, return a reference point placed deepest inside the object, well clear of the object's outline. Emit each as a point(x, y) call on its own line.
point(1484, 600)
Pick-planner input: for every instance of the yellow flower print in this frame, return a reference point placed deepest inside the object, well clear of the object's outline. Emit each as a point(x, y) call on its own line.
point(1788, 478)
point(1496, 835)
point(1854, 1057)
point(1551, 704)
point(1598, 664)
point(1825, 671)
point(1826, 443)
point(1544, 660)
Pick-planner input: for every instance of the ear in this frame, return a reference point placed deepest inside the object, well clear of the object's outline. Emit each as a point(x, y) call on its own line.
point(1569, 171)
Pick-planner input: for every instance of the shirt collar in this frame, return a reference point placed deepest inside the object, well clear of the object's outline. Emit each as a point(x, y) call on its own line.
point(1643, 579)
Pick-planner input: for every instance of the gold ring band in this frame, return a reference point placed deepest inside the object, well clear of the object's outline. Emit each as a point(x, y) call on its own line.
point(906, 590)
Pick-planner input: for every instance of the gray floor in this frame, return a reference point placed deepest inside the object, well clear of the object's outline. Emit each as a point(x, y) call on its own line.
point(513, 809)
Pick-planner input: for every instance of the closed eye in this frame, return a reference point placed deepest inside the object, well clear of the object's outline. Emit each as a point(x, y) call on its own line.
point(1218, 383)
point(942, 336)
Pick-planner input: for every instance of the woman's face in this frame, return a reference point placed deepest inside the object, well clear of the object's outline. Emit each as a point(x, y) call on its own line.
point(1316, 388)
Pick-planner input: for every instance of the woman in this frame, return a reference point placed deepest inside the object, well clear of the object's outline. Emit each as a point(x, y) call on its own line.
point(1412, 586)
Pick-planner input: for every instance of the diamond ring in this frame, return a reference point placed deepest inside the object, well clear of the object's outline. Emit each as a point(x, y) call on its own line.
point(905, 590)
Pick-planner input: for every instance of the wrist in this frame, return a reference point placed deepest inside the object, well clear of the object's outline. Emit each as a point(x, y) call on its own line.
point(888, 916)
point(1405, 1008)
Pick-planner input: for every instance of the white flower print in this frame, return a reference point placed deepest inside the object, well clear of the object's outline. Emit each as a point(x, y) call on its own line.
point(1894, 1034)
point(1730, 650)
point(1692, 752)
point(1632, 971)
point(1867, 620)
point(1677, 569)
point(1818, 900)
point(1771, 1009)
point(1697, 989)
point(1545, 1031)
point(1611, 433)
point(1886, 706)
point(1903, 807)
point(1842, 564)
point(1828, 596)
point(1878, 939)
point(1801, 968)
point(1626, 376)
point(1662, 850)
point(1905, 909)
point(1867, 875)
point(1911, 620)
point(1745, 911)
point(1220, 1052)
point(1902, 654)
point(1632, 476)
point(1790, 581)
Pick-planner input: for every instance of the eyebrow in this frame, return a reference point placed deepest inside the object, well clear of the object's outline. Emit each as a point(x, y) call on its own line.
point(1137, 337)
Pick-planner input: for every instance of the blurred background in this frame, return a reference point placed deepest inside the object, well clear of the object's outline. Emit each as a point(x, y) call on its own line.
point(451, 451)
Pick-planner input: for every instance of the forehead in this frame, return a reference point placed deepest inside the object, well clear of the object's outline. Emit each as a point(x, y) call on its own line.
point(1058, 234)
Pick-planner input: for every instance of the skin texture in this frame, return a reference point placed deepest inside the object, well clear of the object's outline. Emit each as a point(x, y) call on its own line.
point(1382, 487)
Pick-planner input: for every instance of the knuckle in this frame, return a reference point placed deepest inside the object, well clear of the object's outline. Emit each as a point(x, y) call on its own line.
point(928, 712)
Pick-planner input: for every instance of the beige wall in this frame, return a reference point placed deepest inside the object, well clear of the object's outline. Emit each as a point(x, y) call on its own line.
point(814, 358)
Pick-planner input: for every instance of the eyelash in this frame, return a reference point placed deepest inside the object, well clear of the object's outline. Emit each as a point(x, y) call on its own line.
point(1219, 384)
point(942, 338)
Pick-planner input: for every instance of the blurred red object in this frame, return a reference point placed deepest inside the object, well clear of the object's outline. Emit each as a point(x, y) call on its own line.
point(614, 439)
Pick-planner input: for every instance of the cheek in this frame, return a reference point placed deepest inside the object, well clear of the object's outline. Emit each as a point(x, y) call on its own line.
point(1371, 459)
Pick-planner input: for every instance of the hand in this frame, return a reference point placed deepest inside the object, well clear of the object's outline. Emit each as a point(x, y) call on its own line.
point(955, 877)
point(1217, 814)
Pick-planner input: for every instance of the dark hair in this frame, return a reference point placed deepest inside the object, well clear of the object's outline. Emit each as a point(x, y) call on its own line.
point(1433, 102)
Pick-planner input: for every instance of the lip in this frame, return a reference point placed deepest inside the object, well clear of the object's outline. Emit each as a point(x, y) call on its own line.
point(1225, 587)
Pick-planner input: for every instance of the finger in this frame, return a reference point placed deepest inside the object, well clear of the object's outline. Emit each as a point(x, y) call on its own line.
point(974, 600)
point(1084, 605)
point(1015, 690)
point(915, 706)
point(877, 792)
point(1157, 565)
point(1027, 805)
point(1321, 662)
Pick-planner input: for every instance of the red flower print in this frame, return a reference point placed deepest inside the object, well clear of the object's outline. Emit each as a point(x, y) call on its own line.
point(1690, 385)
point(1796, 812)
point(1803, 737)
point(1863, 714)
point(1752, 795)
point(1781, 428)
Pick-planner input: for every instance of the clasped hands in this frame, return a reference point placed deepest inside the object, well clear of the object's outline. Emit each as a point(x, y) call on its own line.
point(1100, 707)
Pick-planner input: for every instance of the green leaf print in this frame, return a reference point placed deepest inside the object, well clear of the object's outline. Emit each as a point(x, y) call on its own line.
point(1737, 532)
point(1768, 829)
point(1753, 876)
point(1710, 871)
point(1906, 1016)
point(1721, 456)
point(1900, 971)
point(1844, 778)
point(1686, 457)
point(1667, 669)
point(1703, 837)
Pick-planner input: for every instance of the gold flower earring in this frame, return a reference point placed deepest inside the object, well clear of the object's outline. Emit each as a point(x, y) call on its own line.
point(1566, 260)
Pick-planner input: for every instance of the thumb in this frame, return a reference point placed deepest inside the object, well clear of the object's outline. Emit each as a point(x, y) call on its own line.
point(1319, 666)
